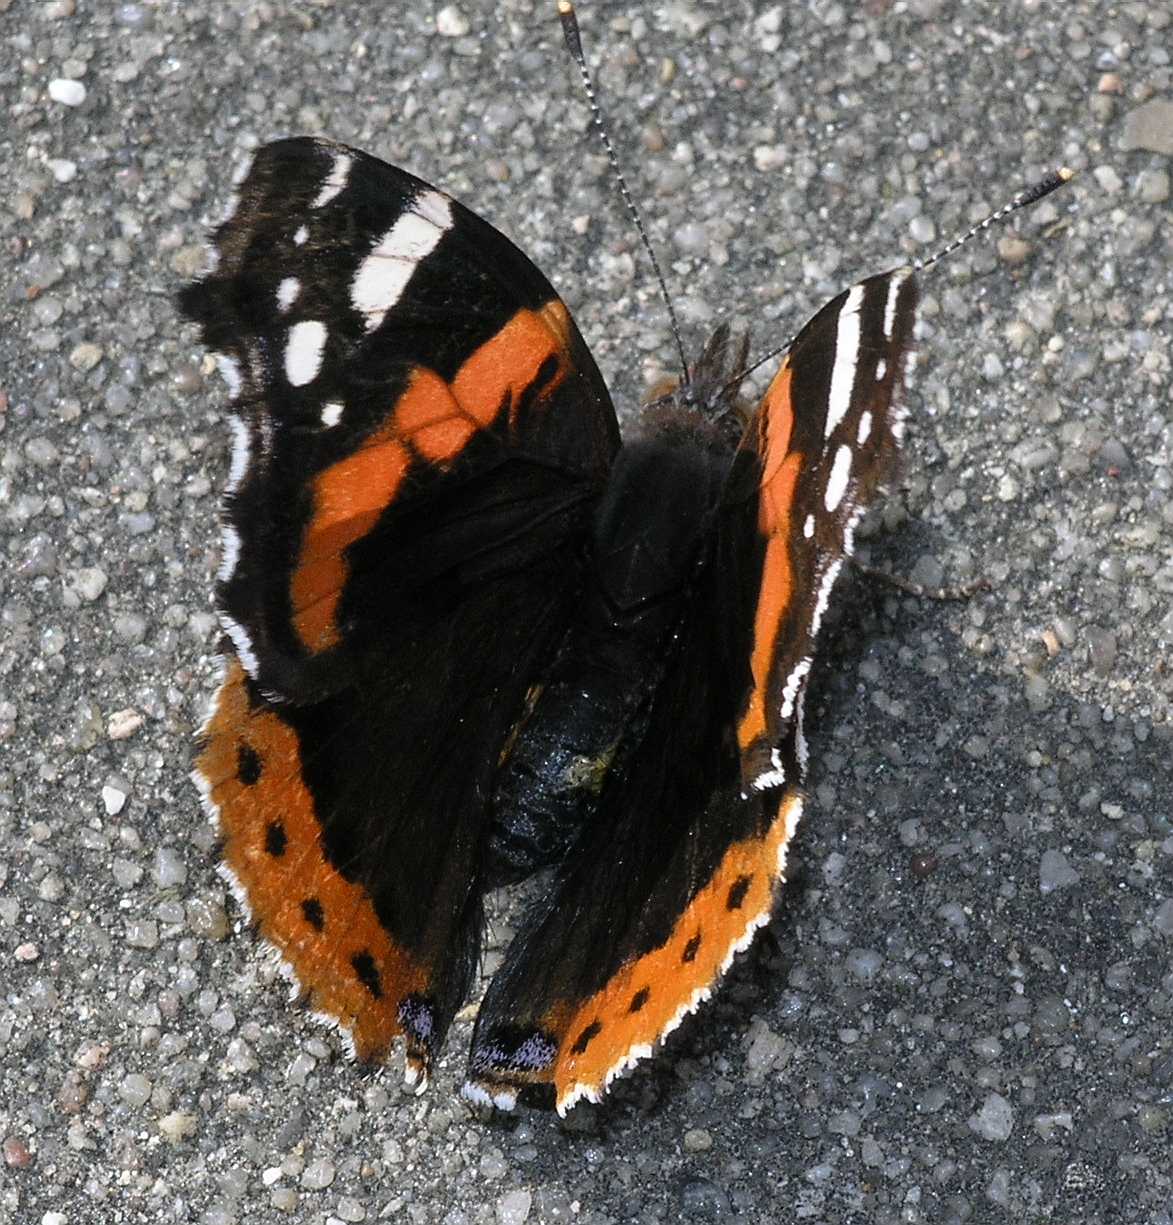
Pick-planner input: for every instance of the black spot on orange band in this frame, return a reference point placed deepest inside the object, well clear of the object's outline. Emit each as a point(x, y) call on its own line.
point(639, 999)
point(275, 839)
point(691, 949)
point(368, 973)
point(248, 765)
point(311, 908)
point(584, 1039)
point(737, 892)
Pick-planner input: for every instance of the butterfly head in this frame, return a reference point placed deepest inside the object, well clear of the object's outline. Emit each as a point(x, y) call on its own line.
point(710, 403)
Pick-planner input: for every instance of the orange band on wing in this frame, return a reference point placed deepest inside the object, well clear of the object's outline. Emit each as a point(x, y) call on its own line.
point(324, 927)
point(349, 497)
point(432, 421)
point(780, 470)
point(619, 1025)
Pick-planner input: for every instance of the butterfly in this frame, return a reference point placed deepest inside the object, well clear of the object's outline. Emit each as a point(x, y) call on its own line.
point(472, 636)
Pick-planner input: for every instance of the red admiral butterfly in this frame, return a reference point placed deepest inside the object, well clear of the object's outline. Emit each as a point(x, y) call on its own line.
point(471, 635)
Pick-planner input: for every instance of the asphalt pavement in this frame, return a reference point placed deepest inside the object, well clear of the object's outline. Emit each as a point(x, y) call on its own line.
point(961, 1012)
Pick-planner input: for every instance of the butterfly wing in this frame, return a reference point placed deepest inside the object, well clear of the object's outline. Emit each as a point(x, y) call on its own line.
point(672, 876)
point(419, 436)
point(680, 865)
point(826, 434)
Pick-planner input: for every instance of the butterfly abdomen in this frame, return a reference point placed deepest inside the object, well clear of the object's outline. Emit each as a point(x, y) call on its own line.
point(589, 712)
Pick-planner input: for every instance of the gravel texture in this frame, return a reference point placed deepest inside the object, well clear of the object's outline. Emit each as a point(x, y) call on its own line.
point(962, 1011)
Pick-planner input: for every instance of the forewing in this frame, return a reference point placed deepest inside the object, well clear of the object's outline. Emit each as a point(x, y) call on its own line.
point(823, 441)
point(393, 361)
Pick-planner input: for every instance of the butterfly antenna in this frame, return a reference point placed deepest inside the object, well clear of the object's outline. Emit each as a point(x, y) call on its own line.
point(573, 38)
point(1047, 184)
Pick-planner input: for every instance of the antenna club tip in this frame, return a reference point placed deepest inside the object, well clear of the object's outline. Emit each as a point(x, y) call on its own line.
point(565, 8)
point(1065, 173)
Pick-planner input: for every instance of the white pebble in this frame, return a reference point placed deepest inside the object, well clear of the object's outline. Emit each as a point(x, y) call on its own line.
point(142, 933)
point(318, 1174)
point(513, 1207)
point(84, 585)
point(135, 1090)
point(177, 1125)
point(451, 22)
point(1108, 179)
point(995, 1120)
point(114, 800)
point(85, 356)
point(123, 724)
point(68, 93)
point(168, 869)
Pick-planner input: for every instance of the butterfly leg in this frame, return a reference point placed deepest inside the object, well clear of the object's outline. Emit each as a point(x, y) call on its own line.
point(960, 591)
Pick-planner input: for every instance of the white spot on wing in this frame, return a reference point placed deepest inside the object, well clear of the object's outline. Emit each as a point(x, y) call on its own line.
point(793, 685)
point(501, 1098)
point(435, 207)
point(849, 531)
point(477, 1094)
point(241, 447)
point(791, 815)
point(894, 283)
point(774, 777)
point(881, 369)
point(242, 642)
point(837, 481)
point(415, 1076)
point(335, 180)
point(384, 274)
point(808, 527)
point(299, 238)
point(846, 357)
point(237, 890)
point(865, 428)
point(800, 739)
point(287, 293)
point(303, 351)
point(204, 787)
point(825, 588)
point(229, 553)
point(331, 413)
point(229, 369)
